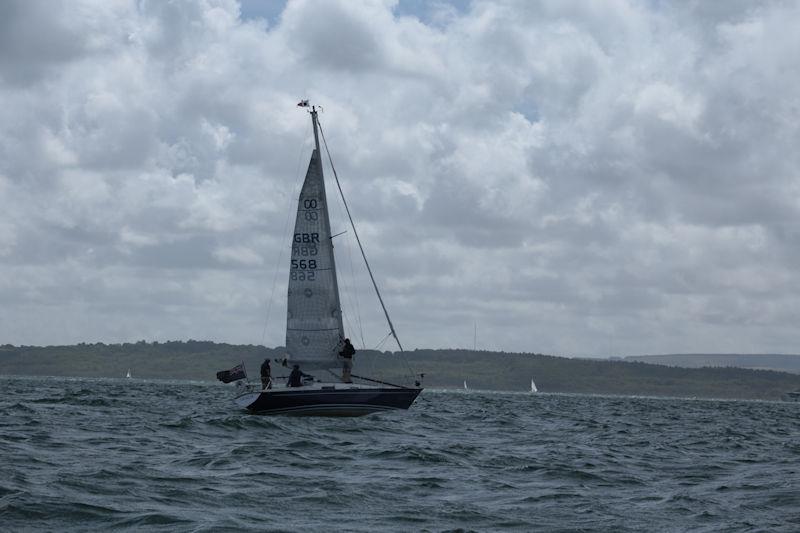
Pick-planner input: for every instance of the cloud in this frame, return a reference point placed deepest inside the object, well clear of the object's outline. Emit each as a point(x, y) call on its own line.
point(36, 38)
point(572, 177)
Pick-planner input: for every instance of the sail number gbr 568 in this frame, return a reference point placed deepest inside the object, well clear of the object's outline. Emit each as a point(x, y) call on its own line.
point(305, 244)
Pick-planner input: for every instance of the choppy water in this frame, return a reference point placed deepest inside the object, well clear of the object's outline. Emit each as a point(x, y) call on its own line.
point(157, 456)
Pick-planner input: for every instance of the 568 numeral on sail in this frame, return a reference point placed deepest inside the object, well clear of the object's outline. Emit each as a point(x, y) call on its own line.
point(302, 264)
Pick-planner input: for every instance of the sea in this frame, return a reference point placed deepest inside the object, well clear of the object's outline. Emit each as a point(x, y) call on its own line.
point(137, 455)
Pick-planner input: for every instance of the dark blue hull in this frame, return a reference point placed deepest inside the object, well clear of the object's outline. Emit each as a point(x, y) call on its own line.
point(330, 402)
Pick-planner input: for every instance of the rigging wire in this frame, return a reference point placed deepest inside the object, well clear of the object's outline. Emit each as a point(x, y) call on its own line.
point(347, 292)
point(380, 343)
point(355, 232)
point(351, 294)
point(344, 288)
point(392, 331)
point(284, 235)
point(355, 294)
point(351, 287)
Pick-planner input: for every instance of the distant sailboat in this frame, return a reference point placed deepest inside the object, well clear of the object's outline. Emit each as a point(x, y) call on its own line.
point(465, 385)
point(128, 375)
point(533, 386)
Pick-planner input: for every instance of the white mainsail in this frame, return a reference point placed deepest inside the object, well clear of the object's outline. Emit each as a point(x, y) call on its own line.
point(314, 330)
point(533, 386)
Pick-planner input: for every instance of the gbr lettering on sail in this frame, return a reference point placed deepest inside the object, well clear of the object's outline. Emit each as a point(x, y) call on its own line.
point(305, 245)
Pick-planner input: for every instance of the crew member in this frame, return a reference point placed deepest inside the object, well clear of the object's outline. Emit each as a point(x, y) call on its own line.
point(266, 375)
point(296, 377)
point(347, 360)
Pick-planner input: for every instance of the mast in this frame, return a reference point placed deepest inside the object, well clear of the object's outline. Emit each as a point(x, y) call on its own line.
point(339, 318)
point(314, 322)
point(316, 133)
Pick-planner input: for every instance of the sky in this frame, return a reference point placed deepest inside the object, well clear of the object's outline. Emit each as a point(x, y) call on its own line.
point(579, 178)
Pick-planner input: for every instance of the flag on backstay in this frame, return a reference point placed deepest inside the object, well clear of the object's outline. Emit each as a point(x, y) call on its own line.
point(234, 374)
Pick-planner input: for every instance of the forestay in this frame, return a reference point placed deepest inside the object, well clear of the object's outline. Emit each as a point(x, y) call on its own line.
point(314, 330)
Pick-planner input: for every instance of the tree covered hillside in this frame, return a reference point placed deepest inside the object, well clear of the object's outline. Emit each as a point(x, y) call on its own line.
point(200, 360)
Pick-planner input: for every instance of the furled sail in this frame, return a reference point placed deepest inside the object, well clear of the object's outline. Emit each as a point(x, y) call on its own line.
point(314, 331)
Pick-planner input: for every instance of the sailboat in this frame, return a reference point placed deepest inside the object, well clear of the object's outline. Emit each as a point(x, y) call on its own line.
point(314, 328)
point(128, 375)
point(533, 386)
point(465, 385)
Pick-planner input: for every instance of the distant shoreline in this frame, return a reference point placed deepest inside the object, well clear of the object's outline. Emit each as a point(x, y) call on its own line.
point(494, 371)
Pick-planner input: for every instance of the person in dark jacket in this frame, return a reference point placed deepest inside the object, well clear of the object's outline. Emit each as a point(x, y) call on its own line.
point(266, 374)
point(296, 377)
point(347, 360)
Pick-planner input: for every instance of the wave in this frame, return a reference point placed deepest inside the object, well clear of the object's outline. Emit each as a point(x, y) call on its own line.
point(103, 454)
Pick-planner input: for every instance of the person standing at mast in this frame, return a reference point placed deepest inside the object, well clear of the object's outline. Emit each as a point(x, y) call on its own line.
point(347, 360)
